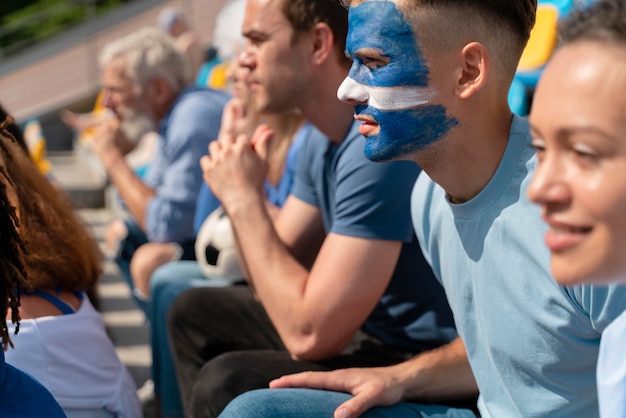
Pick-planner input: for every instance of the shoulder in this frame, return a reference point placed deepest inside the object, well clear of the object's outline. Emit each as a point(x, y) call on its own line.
point(193, 97)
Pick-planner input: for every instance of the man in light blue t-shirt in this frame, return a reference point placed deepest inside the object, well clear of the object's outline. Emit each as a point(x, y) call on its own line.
point(334, 279)
point(432, 87)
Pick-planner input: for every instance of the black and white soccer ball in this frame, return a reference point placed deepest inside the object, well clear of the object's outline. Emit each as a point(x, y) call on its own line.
point(216, 251)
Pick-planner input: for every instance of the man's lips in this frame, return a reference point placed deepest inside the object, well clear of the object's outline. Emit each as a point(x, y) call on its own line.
point(369, 125)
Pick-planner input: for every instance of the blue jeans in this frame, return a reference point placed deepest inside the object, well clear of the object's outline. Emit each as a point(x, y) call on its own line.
point(312, 403)
point(135, 239)
point(166, 284)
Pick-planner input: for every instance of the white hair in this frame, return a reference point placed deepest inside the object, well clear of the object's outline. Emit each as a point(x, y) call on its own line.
point(148, 53)
point(227, 36)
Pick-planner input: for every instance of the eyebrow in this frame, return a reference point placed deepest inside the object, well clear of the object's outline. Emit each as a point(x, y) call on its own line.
point(254, 33)
point(568, 131)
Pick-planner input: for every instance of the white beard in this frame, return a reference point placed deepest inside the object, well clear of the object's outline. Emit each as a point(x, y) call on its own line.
point(135, 125)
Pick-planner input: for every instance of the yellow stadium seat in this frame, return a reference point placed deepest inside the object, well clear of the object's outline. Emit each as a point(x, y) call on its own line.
point(543, 39)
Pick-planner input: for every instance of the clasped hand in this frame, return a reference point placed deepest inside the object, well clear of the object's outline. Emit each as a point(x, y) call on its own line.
point(237, 163)
point(109, 143)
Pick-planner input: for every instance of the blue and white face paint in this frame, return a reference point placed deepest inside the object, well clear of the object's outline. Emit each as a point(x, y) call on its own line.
point(389, 79)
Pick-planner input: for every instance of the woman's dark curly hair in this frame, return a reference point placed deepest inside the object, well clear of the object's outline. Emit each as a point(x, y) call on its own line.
point(45, 246)
point(12, 249)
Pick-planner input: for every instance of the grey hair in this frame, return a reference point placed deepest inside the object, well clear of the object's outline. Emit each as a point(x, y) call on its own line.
point(149, 53)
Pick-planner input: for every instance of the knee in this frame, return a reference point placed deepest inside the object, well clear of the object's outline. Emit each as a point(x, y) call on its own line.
point(256, 403)
point(147, 258)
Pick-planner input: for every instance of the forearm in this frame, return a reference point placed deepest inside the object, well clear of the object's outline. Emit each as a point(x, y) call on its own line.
point(278, 278)
point(440, 374)
point(135, 193)
point(272, 211)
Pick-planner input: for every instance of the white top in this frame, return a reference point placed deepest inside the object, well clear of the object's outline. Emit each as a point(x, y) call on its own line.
point(73, 357)
point(612, 370)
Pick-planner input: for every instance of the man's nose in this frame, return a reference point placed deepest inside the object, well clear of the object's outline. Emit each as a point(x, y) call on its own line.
point(352, 92)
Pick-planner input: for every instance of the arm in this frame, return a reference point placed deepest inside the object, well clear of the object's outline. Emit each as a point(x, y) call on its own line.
point(316, 312)
point(110, 146)
point(440, 374)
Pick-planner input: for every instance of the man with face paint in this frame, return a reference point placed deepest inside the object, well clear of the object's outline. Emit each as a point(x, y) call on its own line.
point(339, 279)
point(390, 96)
point(531, 344)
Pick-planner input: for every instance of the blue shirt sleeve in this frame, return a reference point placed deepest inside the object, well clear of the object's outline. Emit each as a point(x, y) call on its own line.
point(357, 197)
point(193, 122)
point(206, 204)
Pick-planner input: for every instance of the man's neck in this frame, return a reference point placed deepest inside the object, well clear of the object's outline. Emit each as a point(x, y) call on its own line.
point(332, 119)
point(324, 110)
point(464, 163)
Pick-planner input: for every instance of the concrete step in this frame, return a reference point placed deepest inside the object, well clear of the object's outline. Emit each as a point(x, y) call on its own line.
point(81, 176)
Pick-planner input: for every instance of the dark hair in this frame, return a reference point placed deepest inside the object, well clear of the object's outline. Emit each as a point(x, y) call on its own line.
point(61, 253)
point(304, 14)
point(519, 15)
point(12, 272)
point(14, 130)
point(603, 21)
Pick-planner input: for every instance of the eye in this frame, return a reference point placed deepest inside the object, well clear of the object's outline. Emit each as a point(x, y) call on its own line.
point(539, 146)
point(584, 152)
point(373, 63)
point(372, 58)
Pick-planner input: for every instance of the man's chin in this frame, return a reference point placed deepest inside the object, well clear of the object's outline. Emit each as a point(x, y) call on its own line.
point(378, 152)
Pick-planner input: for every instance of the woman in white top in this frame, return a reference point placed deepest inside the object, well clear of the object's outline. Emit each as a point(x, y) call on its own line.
point(578, 121)
point(62, 340)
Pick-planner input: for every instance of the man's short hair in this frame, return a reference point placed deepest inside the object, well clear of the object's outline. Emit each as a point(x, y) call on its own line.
point(148, 53)
point(503, 25)
point(305, 14)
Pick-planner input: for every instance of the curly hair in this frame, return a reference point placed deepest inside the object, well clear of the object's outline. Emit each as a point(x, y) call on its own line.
point(12, 271)
point(45, 244)
point(62, 254)
point(604, 21)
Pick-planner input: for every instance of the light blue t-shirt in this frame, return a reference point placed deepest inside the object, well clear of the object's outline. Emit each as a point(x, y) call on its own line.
point(532, 344)
point(612, 370)
point(360, 198)
point(175, 173)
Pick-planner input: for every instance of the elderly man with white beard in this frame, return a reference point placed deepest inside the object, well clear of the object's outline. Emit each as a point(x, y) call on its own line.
point(144, 86)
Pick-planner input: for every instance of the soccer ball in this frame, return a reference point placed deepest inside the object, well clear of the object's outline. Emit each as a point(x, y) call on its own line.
point(215, 247)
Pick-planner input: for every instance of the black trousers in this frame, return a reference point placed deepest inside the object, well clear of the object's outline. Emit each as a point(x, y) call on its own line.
point(224, 344)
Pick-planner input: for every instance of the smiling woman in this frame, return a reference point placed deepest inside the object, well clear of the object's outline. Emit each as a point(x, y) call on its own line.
point(577, 121)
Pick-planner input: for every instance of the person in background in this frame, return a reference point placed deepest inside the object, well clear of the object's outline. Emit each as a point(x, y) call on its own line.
point(62, 339)
point(173, 278)
point(579, 131)
point(145, 86)
point(173, 22)
point(21, 394)
point(429, 83)
point(336, 278)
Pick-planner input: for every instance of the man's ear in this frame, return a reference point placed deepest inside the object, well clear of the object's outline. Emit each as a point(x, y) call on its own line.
point(475, 67)
point(323, 42)
point(160, 91)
